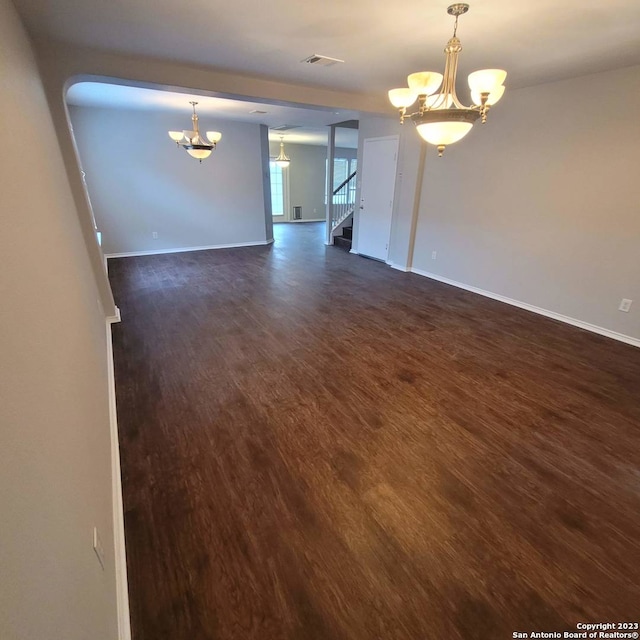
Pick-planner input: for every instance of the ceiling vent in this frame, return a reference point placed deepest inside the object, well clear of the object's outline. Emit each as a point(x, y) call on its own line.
point(257, 111)
point(285, 127)
point(322, 61)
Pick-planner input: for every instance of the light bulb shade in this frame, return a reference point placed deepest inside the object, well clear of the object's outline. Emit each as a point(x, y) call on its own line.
point(214, 136)
point(445, 126)
point(190, 135)
point(494, 96)
point(486, 80)
point(176, 136)
point(283, 164)
point(198, 152)
point(424, 82)
point(402, 98)
point(443, 133)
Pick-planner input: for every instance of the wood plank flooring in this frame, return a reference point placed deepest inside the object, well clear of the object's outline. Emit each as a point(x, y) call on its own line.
point(317, 447)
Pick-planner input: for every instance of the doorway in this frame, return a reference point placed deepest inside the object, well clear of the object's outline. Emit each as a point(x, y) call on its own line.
point(379, 160)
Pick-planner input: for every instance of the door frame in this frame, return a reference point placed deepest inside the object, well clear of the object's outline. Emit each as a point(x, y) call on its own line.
point(287, 215)
point(359, 194)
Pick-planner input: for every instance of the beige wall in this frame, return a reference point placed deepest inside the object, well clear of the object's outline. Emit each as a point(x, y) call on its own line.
point(140, 182)
point(541, 203)
point(55, 475)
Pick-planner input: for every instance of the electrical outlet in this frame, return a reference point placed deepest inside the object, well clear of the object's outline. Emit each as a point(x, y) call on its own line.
point(97, 547)
point(625, 305)
point(434, 255)
point(154, 235)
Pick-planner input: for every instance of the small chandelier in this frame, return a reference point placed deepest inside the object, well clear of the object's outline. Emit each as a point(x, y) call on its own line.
point(282, 160)
point(191, 140)
point(441, 118)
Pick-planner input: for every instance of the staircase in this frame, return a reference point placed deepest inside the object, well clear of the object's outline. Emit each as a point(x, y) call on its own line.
point(344, 241)
point(342, 207)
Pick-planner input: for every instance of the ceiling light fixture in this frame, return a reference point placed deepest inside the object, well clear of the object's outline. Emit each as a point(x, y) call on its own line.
point(282, 160)
point(190, 139)
point(441, 118)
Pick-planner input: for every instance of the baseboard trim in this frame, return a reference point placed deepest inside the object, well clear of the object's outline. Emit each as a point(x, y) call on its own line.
point(587, 326)
point(398, 267)
point(116, 317)
point(119, 549)
point(354, 252)
point(298, 221)
point(134, 254)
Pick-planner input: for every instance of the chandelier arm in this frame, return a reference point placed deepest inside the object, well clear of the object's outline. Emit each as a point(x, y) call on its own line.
point(454, 47)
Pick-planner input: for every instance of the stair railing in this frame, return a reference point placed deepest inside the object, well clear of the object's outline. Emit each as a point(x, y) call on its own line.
point(343, 200)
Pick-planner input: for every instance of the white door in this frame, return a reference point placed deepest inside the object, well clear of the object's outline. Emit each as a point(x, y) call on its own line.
point(379, 159)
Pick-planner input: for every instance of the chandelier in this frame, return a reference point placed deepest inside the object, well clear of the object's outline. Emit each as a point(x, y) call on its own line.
point(282, 160)
point(191, 140)
point(441, 118)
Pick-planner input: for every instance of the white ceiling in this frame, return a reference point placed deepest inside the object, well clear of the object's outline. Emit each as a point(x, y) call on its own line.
point(311, 124)
point(535, 40)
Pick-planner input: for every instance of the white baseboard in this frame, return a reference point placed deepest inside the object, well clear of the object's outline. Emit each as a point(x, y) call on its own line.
point(116, 317)
point(352, 251)
point(120, 555)
point(302, 220)
point(621, 337)
point(398, 267)
point(155, 252)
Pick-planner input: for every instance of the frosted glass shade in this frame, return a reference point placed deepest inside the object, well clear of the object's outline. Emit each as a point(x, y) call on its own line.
point(176, 136)
point(400, 98)
point(486, 80)
point(214, 136)
point(282, 163)
point(494, 96)
point(189, 134)
point(443, 133)
point(424, 82)
point(199, 154)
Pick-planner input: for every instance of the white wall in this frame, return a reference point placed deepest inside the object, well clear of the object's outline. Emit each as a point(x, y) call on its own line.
point(140, 181)
point(541, 203)
point(55, 474)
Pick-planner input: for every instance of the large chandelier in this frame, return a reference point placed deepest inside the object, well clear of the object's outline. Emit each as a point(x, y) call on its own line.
point(191, 140)
point(441, 118)
point(282, 160)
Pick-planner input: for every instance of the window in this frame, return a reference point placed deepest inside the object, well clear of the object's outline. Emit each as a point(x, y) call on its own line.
point(277, 189)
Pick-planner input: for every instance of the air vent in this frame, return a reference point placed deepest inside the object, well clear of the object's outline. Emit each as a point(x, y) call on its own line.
point(257, 111)
point(322, 61)
point(285, 127)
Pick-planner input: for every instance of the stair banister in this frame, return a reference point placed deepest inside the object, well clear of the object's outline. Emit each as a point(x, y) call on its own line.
point(343, 200)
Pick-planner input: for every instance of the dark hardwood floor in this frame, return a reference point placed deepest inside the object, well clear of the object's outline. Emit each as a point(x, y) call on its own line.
point(318, 447)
